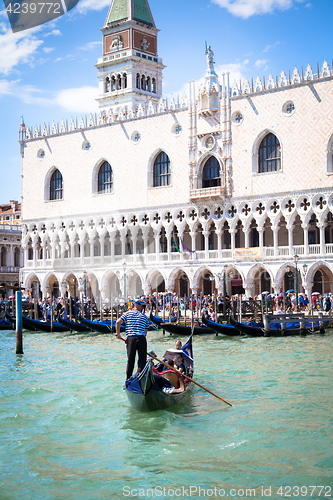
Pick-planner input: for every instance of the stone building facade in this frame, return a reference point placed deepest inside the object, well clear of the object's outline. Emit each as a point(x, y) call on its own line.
point(11, 252)
point(221, 187)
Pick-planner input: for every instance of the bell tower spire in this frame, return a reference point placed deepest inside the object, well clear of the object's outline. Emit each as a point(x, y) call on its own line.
point(130, 71)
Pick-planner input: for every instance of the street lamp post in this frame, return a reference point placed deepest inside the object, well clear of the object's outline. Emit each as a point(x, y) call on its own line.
point(124, 279)
point(296, 259)
point(223, 276)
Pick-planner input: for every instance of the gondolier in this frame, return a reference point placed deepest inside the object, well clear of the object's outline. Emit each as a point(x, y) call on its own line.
point(136, 326)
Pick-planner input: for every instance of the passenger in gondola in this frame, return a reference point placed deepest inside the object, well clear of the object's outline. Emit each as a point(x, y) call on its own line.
point(178, 361)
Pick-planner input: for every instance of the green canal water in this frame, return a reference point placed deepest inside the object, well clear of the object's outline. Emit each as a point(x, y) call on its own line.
point(67, 430)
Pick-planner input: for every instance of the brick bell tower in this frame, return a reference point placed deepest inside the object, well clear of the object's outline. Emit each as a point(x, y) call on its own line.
point(130, 71)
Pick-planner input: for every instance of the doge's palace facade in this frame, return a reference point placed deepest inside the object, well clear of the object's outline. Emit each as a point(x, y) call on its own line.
point(223, 185)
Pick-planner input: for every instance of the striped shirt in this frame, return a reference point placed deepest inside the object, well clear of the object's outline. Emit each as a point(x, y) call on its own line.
point(136, 323)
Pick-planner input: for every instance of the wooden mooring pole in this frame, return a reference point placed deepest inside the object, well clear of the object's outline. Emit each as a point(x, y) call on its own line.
point(19, 338)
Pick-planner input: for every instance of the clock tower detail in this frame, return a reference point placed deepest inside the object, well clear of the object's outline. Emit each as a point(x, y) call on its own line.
point(130, 71)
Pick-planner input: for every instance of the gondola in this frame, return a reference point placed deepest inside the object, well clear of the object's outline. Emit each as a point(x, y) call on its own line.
point(275, 329)
point(219, 327)
point(27, 326)
point(144, 390)
point(157, 320)
point(183, 330)
point(74, 326)
point(43, 326)
point(97, 326)
point(5, 324)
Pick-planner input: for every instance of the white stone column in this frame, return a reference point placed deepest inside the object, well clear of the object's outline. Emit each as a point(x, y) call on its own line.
point(168, 236)
point(275, 230)
point(145, 233)
point(91, 242)
point(112, 246)
point(157, 245)
point(261, 237)
point(322, 238)
point(82, 243)
point(206, 235)
point(247, 237)
point(233, 234)
point(218, 233)
point(101, 242)
point(305, 228)
point(34, 251)
point(193, 234)
point(43, 247)
point(11, 256)
point(249, 289)
point(290, 240)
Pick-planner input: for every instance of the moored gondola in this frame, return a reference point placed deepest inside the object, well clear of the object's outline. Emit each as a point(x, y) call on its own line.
point(43, 326)
point(74, 326)
point(157, 320)
point(5, 324)
point(220, 328)
point(148, 390)
point(183, 330)
point(97, 326)
point(275, 329)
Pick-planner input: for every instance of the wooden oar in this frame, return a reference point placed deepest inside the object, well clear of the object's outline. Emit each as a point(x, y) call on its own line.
point(183, 375)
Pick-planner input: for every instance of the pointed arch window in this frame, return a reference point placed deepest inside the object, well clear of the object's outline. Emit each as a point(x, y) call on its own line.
point(56, 186)
point(105, 178)
point(162, 171)
point(269, 154)
point(211, 176)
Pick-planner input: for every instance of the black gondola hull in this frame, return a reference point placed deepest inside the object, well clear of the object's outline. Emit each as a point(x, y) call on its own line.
point(97, 326)
point(252, 331)
point(220, 328)
point(74, 326)
point(155, 400)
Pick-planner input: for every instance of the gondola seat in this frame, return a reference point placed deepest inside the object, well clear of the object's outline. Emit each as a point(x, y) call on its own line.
point(170, 375)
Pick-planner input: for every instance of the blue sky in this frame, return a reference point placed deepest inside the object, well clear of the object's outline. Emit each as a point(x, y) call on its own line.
point(48, 73)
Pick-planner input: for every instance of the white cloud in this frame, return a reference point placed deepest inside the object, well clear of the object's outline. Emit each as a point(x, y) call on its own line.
point(248, 8)
point(260, 63)
point(79, 100)
point(85, 5)
point(6, 87)
point(16, 48)
point(76, 100)
point(91, 45)
point(270, 47)
point(54, 33)
point(69, 56)
point(47, 50)
point(236, 72)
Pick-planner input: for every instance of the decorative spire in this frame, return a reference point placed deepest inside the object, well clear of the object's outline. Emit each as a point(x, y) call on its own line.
point(211, 77)
point(129, 10)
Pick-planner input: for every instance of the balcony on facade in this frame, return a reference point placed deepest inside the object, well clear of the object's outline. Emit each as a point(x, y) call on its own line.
point(207, 193)
point(268, 254)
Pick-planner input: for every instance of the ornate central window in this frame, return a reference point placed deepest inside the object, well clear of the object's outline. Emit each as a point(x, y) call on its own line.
point(105, 178)
point(162, 172)
point(56, 186)
point(269, 154)
point(211, 173)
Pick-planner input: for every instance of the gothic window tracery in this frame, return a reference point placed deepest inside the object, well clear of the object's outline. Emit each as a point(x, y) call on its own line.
point(56, 186)
point(269, 154)
point(162, 171)
point(105, 178)
point(211, 173)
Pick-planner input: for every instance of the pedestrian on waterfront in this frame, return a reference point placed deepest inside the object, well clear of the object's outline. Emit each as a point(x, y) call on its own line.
point(136, 326)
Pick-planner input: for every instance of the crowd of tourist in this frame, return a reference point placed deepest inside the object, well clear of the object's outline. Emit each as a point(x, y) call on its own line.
point(166, 304)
